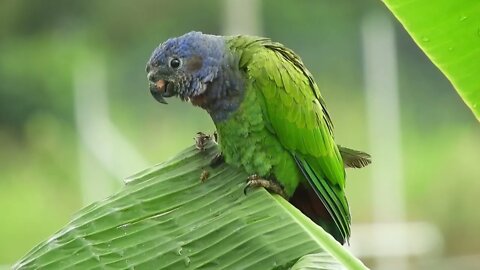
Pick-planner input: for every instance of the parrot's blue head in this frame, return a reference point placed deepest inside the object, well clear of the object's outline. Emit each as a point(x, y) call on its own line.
point(184, 66)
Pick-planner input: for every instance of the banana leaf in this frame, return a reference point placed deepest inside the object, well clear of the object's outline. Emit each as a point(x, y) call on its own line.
point(448, 31)
point(183, 214)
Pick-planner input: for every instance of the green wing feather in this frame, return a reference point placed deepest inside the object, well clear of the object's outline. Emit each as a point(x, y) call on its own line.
point(299, 119)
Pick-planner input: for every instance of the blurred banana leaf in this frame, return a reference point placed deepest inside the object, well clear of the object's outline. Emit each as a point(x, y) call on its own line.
point(318, 261)
point(449, 33)
point(167, 218)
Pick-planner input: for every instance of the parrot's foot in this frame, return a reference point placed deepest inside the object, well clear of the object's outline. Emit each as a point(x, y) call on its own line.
point(204, 176)
point(217, 160)
point(201, 140)
point(270, 185)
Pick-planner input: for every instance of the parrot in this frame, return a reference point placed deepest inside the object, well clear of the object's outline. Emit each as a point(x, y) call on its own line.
point(270, 118)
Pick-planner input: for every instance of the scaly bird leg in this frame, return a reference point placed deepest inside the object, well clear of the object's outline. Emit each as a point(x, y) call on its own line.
point(217, 160)
point(201, 140)
point(270, 185)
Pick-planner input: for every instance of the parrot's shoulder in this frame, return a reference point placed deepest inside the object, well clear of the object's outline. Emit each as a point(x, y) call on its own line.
point(254, 49)
point(265, 59)
point(245, 48)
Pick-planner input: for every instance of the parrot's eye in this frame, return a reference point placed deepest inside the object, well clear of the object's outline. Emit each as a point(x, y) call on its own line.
point(175, 63)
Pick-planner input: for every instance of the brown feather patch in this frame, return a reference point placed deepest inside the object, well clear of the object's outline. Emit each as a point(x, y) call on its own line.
point(195, 63)
point(307, 201)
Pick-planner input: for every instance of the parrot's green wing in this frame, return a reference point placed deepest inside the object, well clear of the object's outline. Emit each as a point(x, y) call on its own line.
point(299, 119)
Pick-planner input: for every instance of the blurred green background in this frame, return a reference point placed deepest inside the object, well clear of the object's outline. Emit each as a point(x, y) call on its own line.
point(76, 114)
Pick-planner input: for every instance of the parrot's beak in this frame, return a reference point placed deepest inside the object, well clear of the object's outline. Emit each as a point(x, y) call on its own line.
point(157, 90)
point(161, 89)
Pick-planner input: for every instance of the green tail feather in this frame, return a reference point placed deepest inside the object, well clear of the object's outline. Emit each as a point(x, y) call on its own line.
point(354, 158)
point(335, 203)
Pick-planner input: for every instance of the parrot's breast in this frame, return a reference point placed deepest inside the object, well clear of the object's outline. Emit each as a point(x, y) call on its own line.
point(246, 142)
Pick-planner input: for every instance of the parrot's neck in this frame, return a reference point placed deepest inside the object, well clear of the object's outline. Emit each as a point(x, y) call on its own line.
point(225, 93)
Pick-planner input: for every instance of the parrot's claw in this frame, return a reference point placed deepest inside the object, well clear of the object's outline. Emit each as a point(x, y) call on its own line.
point(270, 185)
point(217, 160)
point(201, 140)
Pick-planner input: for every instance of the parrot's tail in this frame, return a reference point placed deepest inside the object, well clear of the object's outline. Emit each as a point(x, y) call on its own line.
point(354, 158)
point(307, 201)
point(331, 197)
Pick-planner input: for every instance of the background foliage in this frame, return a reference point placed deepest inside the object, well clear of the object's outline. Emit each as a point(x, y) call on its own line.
point(42, 43)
